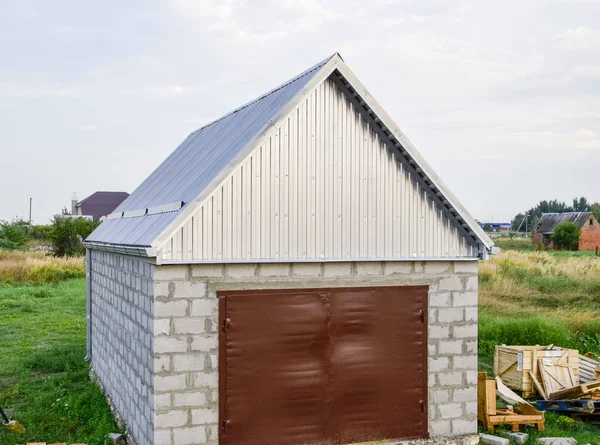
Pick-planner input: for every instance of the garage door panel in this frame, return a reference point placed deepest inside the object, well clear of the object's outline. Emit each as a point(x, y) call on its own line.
point(323, 366)
point(274, 382)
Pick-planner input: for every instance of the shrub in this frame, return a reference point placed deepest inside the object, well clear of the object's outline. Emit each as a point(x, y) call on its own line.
point(67, 234)
point(566, 236)
point(40, 231)
point(13, 235)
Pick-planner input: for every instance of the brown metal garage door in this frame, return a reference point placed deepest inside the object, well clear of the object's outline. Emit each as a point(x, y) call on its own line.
point(323, 366)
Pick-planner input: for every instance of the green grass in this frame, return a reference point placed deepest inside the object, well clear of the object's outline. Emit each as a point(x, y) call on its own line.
point(44, 380)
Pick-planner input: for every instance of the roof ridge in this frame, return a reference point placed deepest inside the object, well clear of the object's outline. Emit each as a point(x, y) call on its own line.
point(283, 85)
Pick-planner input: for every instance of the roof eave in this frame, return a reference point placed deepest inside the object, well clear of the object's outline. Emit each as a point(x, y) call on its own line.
point(148, 252)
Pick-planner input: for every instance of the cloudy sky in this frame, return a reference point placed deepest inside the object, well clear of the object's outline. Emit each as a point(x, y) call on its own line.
point(502, 98)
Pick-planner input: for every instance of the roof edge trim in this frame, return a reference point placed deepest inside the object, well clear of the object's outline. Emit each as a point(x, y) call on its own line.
point(148, 252)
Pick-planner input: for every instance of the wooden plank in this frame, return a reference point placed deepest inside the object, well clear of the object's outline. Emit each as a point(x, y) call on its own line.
point(538, 386)
point(575, 392)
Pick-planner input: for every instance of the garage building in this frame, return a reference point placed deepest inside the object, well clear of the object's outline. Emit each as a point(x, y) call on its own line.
point(293, 273)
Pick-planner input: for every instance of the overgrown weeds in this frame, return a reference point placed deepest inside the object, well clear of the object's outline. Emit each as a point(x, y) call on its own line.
point(38, 268)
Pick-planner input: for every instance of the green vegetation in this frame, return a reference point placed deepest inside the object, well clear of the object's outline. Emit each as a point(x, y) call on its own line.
point(67, 234)
point(541, 297)
point(530, 218)
point(43, 378)
point(566, 236)
point(18, 267)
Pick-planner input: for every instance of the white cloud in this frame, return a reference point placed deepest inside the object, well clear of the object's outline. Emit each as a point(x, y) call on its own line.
point(579, 39)
point(89, 127)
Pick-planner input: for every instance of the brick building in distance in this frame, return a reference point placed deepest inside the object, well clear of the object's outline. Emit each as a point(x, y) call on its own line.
point(587, 223)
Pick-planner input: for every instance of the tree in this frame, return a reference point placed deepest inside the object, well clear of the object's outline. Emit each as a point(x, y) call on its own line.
point(566, 236)
point(487, 227)
point(595, 209)
point(67, 234)
point(581, 205)
point(14, 235)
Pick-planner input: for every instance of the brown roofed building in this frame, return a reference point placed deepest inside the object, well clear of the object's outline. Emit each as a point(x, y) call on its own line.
point(587, 223)
point(98, 205)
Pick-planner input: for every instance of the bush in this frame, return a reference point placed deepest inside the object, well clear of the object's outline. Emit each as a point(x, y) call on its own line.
point(40, 231)
point(13, 235)
point(67, 234)
point(566, 236)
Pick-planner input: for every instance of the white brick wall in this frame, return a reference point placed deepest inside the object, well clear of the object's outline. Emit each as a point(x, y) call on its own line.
point(122, 337)
point(186, 336)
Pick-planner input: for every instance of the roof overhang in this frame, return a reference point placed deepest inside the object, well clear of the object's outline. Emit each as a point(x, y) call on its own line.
point(149, 252)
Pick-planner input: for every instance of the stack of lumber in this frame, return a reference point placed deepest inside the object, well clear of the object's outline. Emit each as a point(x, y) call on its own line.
point(589, 369)
point(520, 367)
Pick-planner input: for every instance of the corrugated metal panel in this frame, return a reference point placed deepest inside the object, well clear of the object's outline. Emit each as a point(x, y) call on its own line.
point(196, 162)
point(323, 187)
point(549, 221)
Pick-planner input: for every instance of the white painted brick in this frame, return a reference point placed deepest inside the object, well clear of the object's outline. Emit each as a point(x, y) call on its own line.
point(204, 307)
point(306, 269)
point(471, 377)
point(466, 331)
point(188, 362)
point(162, 437)
point(471, 314)
point(471, 408)
point(162, 401)
point(440, 427)
point(190, 289)
point(170, 308)
point(452, 283)
point(470, 267)
point(467, 362)
point(437, 396)
point(450, 315)
point(332, 270)
point(397, 267)
point(439, 331)
point(240, 270)
point(162, 363)
point(212, 432)
point(432, 349)
point(471, 283)
point(465, 395)
point(436, 267)
point(170, 419)
point(189, 436)
point(471, 347)
point(450, 378)
point(163, 288)
point(450, 410)
point(203, 416)
point(437, 364)
point(189, 325)
point(162, 326)
point(450, 347)
point(170, 272)
point(189, 398)
point(439, 299)
point(463, 299)
point(204, 343)
point(369, 268)
point(169, 383)
point(207, 271)
point(274, 270)
point(205, 380)
point(164, 345)
point(419, 267)
point(464, 426)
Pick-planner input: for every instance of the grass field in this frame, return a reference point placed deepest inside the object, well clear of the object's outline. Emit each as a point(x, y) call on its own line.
point(526, 297)
point(43, 378)
point(530, 297)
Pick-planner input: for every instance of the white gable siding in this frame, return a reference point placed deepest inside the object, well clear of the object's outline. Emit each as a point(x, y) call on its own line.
point(323, 187)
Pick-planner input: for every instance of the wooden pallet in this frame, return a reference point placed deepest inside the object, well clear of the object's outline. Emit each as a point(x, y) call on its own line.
point(578, 406)
point(490, 415)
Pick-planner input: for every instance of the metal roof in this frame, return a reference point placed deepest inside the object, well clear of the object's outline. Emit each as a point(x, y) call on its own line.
point(101, 204)
point(194, 164)
point(549, 221)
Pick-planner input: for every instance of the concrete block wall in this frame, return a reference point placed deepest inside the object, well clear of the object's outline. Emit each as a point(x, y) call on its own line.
point(186, 336)
point(122, 337)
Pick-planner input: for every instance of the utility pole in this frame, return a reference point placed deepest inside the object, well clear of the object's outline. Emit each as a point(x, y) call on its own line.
point(30, 200)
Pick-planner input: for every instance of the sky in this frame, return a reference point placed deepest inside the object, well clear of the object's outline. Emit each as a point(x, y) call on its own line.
point(501, 98)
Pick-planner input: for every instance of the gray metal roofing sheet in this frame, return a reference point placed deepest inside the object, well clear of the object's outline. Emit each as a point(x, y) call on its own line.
point(549, 221)
point(195, 163)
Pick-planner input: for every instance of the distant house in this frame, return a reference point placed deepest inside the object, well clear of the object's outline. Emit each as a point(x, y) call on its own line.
point(496, 227)
point(587, 223)
point(98, 205)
